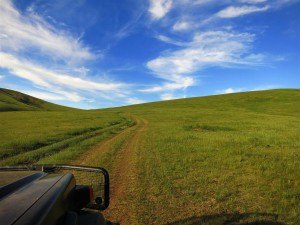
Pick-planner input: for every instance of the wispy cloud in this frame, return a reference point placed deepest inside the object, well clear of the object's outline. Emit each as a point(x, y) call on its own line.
point(159, 8)
point(133, 101)
point(231, 12)
point(169, 40)
point(59, 64)
point(193, 3)
point(222, 48)
point(265, 87)
point(22, 32)
point(169, 96)
point(59, 83)
point(235, 90)
point(230, 90)
point(211, 48)
point(182, 26)
point(253, 1)
point(176, 82)
point(127, 28)
point(45, 95)
point(59, 71)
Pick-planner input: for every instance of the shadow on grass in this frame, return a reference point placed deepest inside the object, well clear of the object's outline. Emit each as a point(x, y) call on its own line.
point(231, 219)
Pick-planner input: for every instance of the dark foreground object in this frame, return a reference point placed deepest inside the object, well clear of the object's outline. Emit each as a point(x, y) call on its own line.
point(48, 194)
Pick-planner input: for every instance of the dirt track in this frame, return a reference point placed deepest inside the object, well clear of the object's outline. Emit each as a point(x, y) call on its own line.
point(123, 172)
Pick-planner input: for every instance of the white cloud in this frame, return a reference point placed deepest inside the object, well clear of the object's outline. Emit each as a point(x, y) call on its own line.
point(69, 95)
point(159, 8)
point(212, 48)
point(230, 90)
point(2, 77)
point(206, 49)
point(170, 40)
point(133, 101)
point(21, 32)
point(280, 3)
point(63, 84)
point(168, 96)
point(231, 11)
point(195, 2)
point(235, 90)
point(177, 83)
point(182, 26)
point(64, 76)
point(45, 95)
point(265, 87)
point(253, 1)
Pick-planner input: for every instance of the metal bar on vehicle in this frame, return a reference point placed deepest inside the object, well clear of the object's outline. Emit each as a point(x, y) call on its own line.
point(48, 168)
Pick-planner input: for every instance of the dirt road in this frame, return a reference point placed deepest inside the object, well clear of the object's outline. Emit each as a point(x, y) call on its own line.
point(123, 171)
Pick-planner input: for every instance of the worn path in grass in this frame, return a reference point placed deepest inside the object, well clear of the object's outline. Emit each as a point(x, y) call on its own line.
point(123, 171)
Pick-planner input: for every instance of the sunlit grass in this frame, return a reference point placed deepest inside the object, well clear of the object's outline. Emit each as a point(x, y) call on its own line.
point(28, 137)
point(237, 156)
point(227, 157)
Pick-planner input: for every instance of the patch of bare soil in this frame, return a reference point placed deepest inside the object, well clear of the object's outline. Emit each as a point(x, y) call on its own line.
point(123, 175)
point(124, 179)
point(91, 157)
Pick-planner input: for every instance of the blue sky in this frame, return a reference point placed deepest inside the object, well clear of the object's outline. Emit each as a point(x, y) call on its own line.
point(98, 54)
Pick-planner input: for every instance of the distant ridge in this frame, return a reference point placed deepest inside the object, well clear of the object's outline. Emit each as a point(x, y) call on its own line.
point(278, 101)
point(282, 100)
point(16, 101)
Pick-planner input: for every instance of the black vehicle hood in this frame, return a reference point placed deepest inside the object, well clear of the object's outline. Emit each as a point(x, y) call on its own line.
point(34, 197)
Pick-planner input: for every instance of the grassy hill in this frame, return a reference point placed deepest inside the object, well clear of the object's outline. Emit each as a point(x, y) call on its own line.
point(224, 159)
point(16, 101)
point(279, 101)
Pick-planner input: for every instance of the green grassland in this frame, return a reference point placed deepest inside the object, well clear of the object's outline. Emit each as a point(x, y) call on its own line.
point(33, 130)
point(15, 101)
point(27, 137)
point(223, 155)
point(226, 159)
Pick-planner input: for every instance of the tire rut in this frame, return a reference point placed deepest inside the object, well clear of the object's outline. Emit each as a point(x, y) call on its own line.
point(90, 157)
point(123, 172)
point(123, 208)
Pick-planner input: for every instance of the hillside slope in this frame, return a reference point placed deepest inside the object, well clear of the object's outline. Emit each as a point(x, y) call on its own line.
point(235, 155)
point(276, 101)
point(16, 101)
point(224, 159)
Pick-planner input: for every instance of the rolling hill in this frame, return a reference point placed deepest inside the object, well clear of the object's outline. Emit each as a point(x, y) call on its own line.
point(278, 101)
point(16, 101)
point(224, 159)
